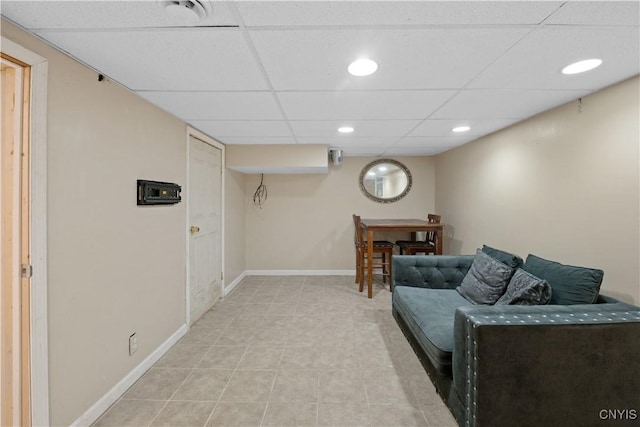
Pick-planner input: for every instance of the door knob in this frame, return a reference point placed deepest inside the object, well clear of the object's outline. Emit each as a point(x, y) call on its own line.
point(194, 229)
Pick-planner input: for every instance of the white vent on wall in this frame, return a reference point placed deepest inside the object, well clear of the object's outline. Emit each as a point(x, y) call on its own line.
point(336, 157)
point(187, 11)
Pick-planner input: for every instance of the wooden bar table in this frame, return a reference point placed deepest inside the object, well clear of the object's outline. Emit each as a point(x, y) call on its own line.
point(371, 226)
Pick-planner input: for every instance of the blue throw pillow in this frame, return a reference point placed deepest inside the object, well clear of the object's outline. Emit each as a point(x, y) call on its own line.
point(513, 261)
point(569, 284)
point(486, 280)
point(526, 289)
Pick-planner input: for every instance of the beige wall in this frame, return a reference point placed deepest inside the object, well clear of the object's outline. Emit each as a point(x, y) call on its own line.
point(234, 227)
point(563, 185)
point(108, 274)
point(306, 221)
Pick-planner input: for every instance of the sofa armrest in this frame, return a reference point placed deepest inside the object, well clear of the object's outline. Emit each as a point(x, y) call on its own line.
point(545, 365)
point(430, 271)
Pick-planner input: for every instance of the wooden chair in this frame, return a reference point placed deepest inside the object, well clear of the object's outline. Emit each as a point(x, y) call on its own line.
point(428, 245)
point(380, 247)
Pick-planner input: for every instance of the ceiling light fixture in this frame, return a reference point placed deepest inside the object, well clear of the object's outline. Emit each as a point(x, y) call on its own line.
point(582, 66)
point(461, 129)
point(362, 67)
point(345, 129)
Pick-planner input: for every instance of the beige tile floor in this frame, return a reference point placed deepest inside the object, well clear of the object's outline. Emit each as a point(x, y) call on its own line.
point(288, 351)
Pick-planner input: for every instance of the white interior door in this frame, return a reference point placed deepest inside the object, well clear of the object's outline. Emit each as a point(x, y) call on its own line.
point(205, 236)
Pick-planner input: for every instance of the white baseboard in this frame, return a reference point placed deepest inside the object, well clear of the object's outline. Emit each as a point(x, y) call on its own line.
point(300, 272)
point(118, 390)
point(227, 290)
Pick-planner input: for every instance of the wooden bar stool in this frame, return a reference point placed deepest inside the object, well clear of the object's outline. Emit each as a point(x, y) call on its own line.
point(428, 245)
point(383, 248)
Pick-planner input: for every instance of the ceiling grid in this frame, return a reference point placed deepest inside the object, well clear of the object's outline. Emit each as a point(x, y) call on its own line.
point(275, 72)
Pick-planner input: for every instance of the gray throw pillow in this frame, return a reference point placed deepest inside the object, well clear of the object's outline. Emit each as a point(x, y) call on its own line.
point(570, 284)
point(526, 289)
point(486, 280)
point(512, 260)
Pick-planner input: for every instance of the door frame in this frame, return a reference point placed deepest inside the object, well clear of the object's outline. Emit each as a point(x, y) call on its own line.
point(39, 347)
point(192, 132)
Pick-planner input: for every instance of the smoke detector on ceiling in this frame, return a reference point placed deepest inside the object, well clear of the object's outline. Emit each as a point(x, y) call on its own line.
point(187, 11)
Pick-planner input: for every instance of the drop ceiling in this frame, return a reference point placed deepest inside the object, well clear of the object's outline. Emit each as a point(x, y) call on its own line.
point(261, 72)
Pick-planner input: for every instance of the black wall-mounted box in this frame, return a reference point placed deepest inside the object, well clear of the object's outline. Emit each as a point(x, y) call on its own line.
point(158, 193)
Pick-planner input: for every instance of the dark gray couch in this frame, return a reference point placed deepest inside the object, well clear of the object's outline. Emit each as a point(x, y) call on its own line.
point(512, 365)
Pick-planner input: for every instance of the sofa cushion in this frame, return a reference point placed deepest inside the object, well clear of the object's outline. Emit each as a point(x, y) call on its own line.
point(486, 280)
point(442, 271)
point(569, 284)
point(526, 289)
point(512, 260)
point(429, 314)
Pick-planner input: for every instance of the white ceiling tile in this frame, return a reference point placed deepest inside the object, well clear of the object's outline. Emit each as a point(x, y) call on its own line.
point(408, 59)
point(378, 105)
point(597, 13)
point(417, 151)
point(165, 59)
point(348, 142)
point(418, 145)
point(430, 54)
point(216, 105)
point(531, 64)
point(503, 104)
point(297, 13)
point(426, 141)
point(251, 140)
point(90, 14)
point(362, 128)
point(223, 128)
point(438, 128)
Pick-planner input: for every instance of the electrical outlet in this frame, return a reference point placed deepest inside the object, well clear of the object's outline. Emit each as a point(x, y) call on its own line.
point(133, 343)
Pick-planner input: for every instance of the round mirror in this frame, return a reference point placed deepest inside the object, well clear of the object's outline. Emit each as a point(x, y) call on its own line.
point(385, 180)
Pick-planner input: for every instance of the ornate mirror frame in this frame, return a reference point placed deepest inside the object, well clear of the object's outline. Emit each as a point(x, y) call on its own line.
point(375, 163)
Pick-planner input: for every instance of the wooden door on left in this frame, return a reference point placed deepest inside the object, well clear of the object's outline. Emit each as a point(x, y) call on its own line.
point(15, 269)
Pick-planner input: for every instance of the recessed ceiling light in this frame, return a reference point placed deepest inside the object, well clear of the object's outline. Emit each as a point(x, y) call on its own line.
point(362, 67)
point(582, 66)
point(461, 129)
point(345, 129)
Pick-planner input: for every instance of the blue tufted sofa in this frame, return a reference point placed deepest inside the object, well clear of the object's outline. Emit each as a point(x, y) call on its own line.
point(514, 365)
